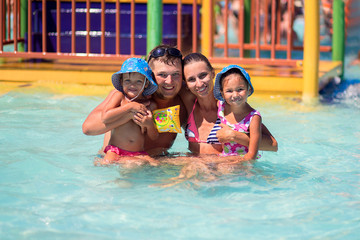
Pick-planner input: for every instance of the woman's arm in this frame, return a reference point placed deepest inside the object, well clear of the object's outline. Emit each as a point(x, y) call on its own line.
point(267, 143)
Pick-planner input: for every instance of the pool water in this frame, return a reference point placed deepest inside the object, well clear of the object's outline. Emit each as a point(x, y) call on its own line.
point(50, 189)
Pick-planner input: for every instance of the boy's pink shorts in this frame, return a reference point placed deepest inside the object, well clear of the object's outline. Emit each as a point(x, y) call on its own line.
point(121, 152)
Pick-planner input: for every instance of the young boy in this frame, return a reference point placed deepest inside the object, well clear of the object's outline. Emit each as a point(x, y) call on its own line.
point(131, 107)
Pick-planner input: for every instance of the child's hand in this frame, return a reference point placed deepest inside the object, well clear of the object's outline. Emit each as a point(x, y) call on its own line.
point(138, 108)
point(143, 120)
point(148, 119)
point(224, 134)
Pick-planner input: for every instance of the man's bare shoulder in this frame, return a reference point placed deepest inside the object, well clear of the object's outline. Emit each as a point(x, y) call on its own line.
point(183, 111)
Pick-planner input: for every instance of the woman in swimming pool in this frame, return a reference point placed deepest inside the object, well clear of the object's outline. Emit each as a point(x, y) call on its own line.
point(204, 130)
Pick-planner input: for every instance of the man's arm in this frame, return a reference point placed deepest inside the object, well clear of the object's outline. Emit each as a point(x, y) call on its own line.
point(108, 115)
point(93, 124)
point(267, 143)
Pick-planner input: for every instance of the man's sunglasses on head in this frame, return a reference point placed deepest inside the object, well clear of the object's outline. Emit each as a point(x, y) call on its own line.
point(159, 52)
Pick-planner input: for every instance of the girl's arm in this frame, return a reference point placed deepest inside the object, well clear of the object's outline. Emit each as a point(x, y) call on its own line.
point(267, 143)
point(255, 138)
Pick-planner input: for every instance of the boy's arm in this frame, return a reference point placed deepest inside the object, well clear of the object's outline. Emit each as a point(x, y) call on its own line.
point(152, 131)
point(267, 143)
point(146, 123)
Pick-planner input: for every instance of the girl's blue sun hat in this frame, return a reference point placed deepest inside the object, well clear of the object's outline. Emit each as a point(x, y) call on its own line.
point(217, 85)
point(135, 65)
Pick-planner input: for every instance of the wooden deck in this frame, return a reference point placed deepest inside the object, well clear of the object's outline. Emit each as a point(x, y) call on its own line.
point(83, 78)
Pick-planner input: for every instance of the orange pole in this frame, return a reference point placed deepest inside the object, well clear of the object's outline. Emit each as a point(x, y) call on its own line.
point(102, 27)
point(73, 26)
point(257, 32)
point(29, 26)
point(8, 17)
point(132, 28)
point(273, 22)
point(58, 27)
point(194, 35)
point(15, 26)
point(289, 32)
point(117, 25)
point(87, 27)
point(226, 16)
point(1, 25)
point(179, 24)
point(44, 32)
point(241, 29)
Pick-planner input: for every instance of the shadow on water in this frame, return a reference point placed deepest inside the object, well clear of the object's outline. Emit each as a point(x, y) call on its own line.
point(257, 178)
point(260, 177)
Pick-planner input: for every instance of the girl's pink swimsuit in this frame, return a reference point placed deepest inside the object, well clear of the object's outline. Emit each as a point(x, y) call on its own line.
point(233, 148)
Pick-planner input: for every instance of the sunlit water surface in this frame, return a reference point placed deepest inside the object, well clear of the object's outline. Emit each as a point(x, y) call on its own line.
point(50, 188)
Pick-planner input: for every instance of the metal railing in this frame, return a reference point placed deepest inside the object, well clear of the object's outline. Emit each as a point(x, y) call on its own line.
point(96, 30)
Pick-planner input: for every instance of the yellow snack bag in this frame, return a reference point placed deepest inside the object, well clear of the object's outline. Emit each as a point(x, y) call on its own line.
point(167, 119)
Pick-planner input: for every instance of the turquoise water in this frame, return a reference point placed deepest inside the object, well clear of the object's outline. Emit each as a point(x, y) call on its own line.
point(50, 188)
point(309, 189)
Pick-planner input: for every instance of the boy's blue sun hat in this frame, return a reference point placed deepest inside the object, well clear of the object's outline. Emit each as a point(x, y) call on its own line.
point(217, 86)
point(135, 65)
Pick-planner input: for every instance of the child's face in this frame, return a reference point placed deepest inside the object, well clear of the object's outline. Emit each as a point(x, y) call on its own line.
point(133, 84)
point(235, 89)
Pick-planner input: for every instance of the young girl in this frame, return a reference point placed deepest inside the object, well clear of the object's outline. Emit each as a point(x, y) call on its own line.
point(232, 88)
point(132, 108)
